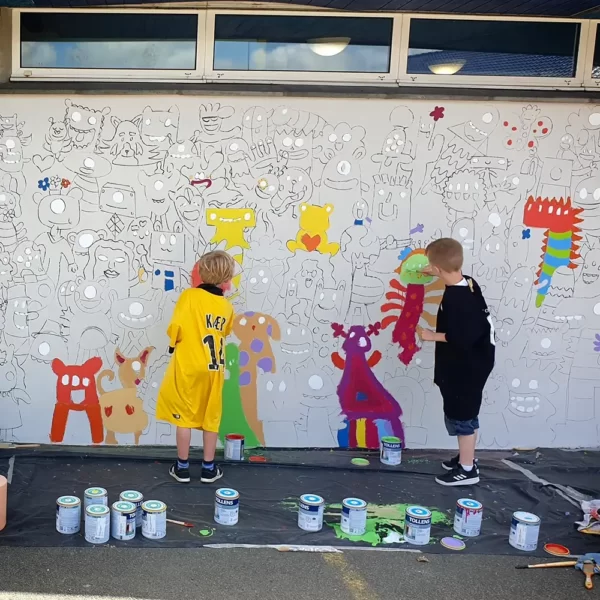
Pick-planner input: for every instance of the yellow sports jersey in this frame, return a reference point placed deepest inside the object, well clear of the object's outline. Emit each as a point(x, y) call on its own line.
point(191, 392)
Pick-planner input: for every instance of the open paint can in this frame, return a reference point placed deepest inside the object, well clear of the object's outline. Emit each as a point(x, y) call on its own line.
point(524, 531)
point(390, 452)
point(234, 446)
point(467, 518)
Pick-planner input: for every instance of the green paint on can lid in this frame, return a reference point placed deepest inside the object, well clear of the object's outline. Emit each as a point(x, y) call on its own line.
point(361, 462)
point(206, 532)
point(390, 439)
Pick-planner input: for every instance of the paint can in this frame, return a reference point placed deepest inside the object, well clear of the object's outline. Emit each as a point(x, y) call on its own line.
point(467, 518)
point(310, 512)
point(154, 519)
point(227, 506)
point(354, 516)
point(234, 446)
point(524, 531)
point(95, 495)
point(390, 451)
point(417, 525)
point(68, 515)
point(97, 524)
point(122, 520)
point(136, 498)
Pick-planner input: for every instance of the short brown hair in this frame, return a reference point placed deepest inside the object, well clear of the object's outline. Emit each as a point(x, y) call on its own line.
point(445, 254)
point(216, 267)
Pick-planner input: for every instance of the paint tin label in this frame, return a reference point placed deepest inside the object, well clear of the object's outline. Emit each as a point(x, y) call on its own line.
point(468, 516)
point(123, 520)
point(524, 531)
point(417, 525)
point(136, 498)
point(354, 516)
point(68, 515)
point(310, 512)
point(390, 451)
point(97, 524)
point(234, 447)
point(95, 495)
point(227, 506)
point(154, 519)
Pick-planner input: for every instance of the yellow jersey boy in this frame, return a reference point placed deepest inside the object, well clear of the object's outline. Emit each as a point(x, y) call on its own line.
point(190, 395)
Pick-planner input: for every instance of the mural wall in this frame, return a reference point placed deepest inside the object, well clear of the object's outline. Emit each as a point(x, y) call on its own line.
point(106, 202)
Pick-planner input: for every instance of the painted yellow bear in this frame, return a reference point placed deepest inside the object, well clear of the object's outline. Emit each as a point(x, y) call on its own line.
point(312, 236)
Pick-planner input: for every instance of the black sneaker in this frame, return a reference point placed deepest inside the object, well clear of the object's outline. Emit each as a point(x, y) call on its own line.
point(450, 465)
point(211, 475)
point(181, 475)
point(459, 476)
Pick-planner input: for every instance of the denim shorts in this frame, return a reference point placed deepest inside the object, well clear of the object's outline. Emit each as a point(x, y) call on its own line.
point(455, 427)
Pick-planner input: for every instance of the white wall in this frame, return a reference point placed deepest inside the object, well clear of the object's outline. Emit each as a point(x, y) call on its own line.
point(408, 172)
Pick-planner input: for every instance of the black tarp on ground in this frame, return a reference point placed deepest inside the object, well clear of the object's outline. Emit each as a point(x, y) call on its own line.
point(269, 493)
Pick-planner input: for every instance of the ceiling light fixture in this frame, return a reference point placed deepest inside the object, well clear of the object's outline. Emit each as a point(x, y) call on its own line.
point(328, 46)
point(447, 68)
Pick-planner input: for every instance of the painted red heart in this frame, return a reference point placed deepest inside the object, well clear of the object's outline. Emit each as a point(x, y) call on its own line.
point(129, 409)
point(108, 410)
point(311, 242)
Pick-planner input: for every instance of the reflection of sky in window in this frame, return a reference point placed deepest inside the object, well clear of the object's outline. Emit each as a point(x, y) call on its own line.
point(233, 55)
point(155, 54)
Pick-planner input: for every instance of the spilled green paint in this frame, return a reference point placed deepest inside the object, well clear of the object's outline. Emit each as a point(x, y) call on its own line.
point(206, 532)
point(383, 521)
point(233, 419)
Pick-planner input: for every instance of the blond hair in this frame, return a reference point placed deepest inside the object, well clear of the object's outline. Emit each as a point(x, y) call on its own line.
point(445, 254)
point(216, 267)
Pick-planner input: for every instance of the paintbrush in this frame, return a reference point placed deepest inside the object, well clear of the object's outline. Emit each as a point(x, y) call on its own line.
point(564, 563)
point(588, 571)
point(182, 523)
point(12, 446)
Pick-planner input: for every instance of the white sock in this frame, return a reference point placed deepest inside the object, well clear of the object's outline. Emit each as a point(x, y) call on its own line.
point(467, 468)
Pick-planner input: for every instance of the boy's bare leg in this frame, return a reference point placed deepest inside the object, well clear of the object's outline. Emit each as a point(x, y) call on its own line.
point(210, 445)
point(184, 440)
point(466, 448)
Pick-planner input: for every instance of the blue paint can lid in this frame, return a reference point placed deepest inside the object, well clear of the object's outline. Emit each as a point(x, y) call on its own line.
point(311, 499)
point(418, 512)
point(469, 503)
point(227, 493)
point(97, 510)
point(526, 517)
point(355, 503)
point(124, 507)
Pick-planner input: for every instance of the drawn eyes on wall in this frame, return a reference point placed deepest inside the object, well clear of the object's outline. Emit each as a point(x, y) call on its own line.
point(362, 342)
point(90, 292)
point(10, 144)
point(58, 206)
point(243, 322)
point(289, 142)
point(344, 167)
point(282, 386)
point(74, 381)
point(89, 163)
point(583, 194)
point(76, 116)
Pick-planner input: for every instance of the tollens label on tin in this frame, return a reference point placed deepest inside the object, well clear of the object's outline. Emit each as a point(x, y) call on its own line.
point(418, 521)
point(227, 502)
point(310, 507)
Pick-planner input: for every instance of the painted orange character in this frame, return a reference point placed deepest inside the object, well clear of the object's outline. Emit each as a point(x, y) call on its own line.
point(76, 390)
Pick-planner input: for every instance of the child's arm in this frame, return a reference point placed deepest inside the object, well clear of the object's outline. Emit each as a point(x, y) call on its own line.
point(174, 330)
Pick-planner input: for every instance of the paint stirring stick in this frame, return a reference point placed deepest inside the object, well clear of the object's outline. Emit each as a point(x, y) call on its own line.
point(182, 523)
point(566, 563)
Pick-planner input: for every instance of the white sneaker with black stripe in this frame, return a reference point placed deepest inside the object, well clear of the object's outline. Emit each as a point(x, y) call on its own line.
point(459, 476)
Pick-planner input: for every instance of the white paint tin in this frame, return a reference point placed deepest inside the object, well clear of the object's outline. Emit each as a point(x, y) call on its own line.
point(467, 518)
point(390, 451)
point(68, 515)
point(227, 506)
point(97, 524)
point(122, 520)
point(310, 512)
point(417, 525)
point(524, 531)
point(154, 519)
point(95, 495)
point(354, 516)
point(234, 446)
point(136, 498)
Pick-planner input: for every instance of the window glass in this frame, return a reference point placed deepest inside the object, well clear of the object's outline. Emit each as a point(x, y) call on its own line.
point(596, 67)
point(296, 43)
point(108, 41)
point(492, 48)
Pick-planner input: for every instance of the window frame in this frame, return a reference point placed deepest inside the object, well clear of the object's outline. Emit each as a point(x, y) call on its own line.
point(593, 31)
point(336, 78)
point(491, 81)
point(115, 75)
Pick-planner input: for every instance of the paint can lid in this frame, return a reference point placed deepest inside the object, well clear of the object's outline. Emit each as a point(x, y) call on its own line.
point(234, 436)
point(419, 512)
point(361, 462)
point(131, 496)
point(124, 507)
point(97, 510)
point(227, 494)
point(453, 543)
point(95, 492)
point(355, 503)
point(526, 517)
point(311, 499)
point(154, 506)
point(469, 503)
point(391, 439)
point(69, 501)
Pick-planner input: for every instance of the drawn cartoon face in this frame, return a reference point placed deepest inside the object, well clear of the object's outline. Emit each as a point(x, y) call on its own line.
point(587, 193)
point(391, 197)
point(329, 302)
point(360, 211)
point(134, 313)
point(230, 224)
point(297, 146)
point(342, 173)
point(555, 214)
point(29, 259)
point(278, 397)
point(116, 198)
point(76, 384)
point(307, 278)
point(167, 246)
point(62, 210)
point(57, 131)
point(411, 267)
point(529, 385)
point(8, 370)
point(6, 269)
point(159, 128)
point(252, 326)
point(315, 218)
point(357, 341)
point(11, 154)
point(132, 370)
point(17, 312)
point(588, 284)
point(83, 240)
point(181, 157)
point(140, 229)
point(9, 124)
point(317, 387)
point(464, 192)
point(113, 262)
point(296, 343)
point(87, 164)
point(493, 252)
point(84, 125)
point(212, 119)
point(259, 280)
point(256, 121)
point(267, 186)
point(343, 140)
point(158, 188)
point(48, 346)
point(480, 127)
point(127, 144)
point(393, 145)
point(90, 296)
point(190, 206)
point(9, 204)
